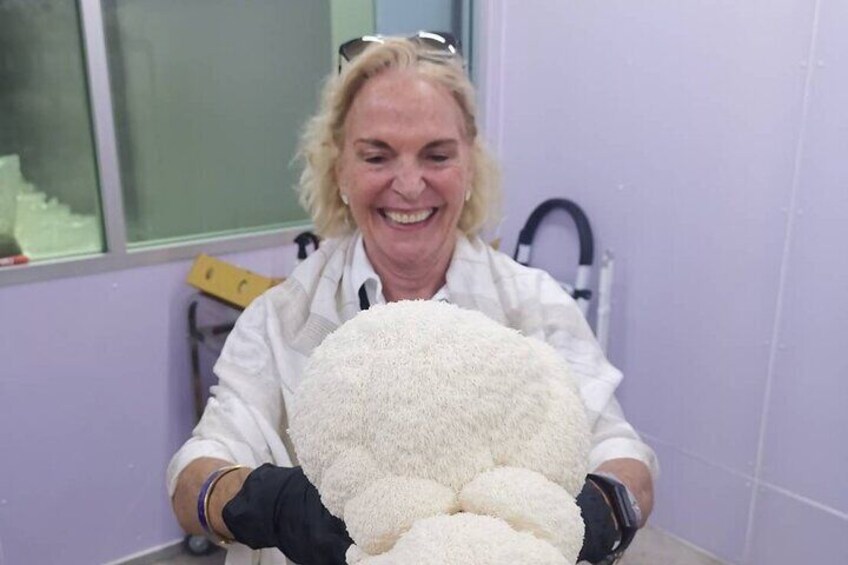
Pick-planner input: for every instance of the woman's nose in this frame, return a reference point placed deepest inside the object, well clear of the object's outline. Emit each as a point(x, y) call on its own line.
point(408, 181)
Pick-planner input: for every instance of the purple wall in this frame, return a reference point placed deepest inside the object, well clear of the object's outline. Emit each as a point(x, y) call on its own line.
point(94, 400)
point(708, 142)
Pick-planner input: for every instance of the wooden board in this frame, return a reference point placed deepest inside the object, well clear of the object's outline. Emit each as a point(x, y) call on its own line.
point(227, 282)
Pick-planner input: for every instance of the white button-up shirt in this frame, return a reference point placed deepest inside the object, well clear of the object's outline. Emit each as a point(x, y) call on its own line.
point(262, 361)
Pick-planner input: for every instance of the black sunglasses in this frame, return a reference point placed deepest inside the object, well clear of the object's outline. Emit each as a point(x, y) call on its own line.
point(441, 43)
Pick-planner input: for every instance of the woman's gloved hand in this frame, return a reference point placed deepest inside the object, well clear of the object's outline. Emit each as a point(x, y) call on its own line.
point(601, 529)
point(279, 507)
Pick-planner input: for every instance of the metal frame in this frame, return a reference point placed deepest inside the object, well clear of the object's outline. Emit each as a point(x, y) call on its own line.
point(105, 144)
point(487, 31)
point(74, 266)
point(118, 255)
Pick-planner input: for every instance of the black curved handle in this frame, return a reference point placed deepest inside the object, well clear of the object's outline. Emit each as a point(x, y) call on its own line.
point(584, 229)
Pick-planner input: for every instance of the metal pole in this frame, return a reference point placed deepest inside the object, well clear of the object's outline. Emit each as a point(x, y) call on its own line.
point(100, 96)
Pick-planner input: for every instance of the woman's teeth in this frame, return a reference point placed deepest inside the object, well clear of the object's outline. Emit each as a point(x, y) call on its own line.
point(410, 218)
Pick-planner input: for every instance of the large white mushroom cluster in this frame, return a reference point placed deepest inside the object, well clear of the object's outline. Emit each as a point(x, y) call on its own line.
point(441, 436)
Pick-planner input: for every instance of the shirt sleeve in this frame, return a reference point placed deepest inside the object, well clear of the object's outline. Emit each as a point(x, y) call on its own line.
point(613, 438)
point(551, 314)
point(244, 418)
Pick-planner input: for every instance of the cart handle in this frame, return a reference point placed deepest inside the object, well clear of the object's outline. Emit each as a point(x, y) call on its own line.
point(580, 290)
point(528, 232)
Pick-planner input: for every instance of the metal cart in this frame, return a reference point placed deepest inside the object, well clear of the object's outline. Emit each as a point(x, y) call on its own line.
point(580, 290)
point(209, 323)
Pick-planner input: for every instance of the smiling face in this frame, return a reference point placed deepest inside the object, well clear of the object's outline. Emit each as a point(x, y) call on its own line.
point(405, 167)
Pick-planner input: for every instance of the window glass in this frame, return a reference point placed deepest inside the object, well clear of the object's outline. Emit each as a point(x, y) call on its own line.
point(209, 99)
point(349, 19)
point(405, 17)
point(49, 196)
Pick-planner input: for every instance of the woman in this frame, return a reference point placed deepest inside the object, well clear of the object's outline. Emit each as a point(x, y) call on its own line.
point(397, 178)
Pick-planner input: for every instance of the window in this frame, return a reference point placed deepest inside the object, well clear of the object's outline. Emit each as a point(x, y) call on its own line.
point(49, 204)
point(209, 97)
point(137, 131)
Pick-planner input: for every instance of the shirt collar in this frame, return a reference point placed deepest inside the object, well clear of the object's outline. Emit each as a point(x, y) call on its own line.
point(363, 273)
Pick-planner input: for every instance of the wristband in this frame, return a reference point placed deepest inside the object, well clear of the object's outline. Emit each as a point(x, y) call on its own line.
point(624, 507)
point(601, 534)
point(203, 498)
point(634, 513)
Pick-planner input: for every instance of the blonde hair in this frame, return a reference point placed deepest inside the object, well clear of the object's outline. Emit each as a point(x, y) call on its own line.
point(322, 138)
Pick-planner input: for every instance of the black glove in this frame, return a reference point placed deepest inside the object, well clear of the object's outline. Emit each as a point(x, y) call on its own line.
point(601, 531)
point(279, 507)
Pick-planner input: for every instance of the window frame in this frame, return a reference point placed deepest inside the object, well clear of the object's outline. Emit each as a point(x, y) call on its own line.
point(117, 254)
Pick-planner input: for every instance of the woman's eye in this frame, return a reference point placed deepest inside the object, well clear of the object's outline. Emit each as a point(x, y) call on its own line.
point(374, 159)
point(439, 157)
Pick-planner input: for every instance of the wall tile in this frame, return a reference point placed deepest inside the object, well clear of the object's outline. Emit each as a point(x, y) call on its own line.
point(95, 398)
point(789, 532)
point(703, 504)
point(806, 451)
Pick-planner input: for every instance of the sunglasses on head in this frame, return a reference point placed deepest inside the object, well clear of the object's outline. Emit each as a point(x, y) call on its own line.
point(440, 43)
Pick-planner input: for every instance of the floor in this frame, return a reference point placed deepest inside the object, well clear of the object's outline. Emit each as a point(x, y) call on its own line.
point(216, 558)
point(651, 547)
